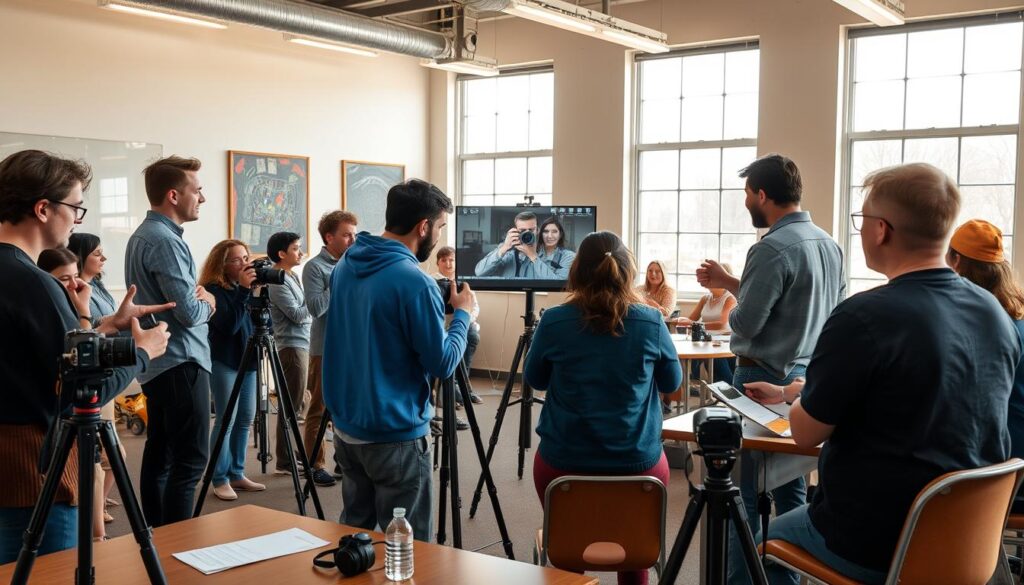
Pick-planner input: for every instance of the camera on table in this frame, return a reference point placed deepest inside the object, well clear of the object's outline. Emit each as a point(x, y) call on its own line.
point(719, 434)
point(527, 237)
point(446, 293)
point(266, 273)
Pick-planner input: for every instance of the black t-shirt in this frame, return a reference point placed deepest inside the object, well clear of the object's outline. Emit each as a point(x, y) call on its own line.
point(915, 376)
point(35, 314)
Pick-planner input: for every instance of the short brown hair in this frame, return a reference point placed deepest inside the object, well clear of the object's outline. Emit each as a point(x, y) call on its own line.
point(213, 268)
point(31, 175)
point(332, 219)
point(53, 258)
point(601, 283)
point(924, 200)
point(445, 252)
point(167, 174)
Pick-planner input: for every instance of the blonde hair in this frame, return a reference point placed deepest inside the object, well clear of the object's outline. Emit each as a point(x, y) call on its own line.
point(213, 268)
point(664, 277)
point(924, 200)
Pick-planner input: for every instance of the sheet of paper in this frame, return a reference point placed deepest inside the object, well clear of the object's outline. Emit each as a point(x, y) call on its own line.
point(221, 557)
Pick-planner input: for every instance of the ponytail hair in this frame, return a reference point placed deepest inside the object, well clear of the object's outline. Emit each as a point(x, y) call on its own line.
point(601, 282)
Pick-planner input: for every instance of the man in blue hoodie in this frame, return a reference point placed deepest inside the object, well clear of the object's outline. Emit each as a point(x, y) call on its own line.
point(384, 341)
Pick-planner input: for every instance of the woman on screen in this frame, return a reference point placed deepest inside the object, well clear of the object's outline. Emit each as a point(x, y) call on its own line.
point(603, 357)
point(553, 258)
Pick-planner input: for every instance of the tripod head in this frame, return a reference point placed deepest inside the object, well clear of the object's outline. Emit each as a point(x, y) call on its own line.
point(719, 434)
point(89, 359)
point(258, 307)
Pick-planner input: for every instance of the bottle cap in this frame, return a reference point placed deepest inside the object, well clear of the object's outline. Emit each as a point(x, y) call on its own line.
point(399, 512)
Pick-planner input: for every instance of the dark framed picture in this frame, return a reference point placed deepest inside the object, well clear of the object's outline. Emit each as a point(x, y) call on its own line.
point(267, 193)
point(364, 190)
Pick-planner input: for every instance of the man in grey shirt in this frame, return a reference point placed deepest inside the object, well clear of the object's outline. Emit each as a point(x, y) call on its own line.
point(338, 231)
point(792, 280)
point(514, 258)
point(177, 384)
point(292, 323)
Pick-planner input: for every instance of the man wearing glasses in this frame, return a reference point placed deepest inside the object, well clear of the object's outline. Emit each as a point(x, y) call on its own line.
point(177, 386)
point(792, 280)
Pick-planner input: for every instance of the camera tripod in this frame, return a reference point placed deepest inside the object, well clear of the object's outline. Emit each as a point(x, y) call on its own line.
point(87, 427)
point(449, 469)
point(262, 348)
point(525, 401)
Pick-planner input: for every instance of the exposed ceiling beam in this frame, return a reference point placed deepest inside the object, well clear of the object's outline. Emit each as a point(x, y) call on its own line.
point(346, 4)
point(404, 7)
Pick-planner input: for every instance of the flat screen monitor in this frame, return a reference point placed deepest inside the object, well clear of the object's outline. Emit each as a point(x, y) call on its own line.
point(519, 248)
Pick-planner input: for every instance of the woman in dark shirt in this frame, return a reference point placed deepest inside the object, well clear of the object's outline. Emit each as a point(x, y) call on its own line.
point(229, 276)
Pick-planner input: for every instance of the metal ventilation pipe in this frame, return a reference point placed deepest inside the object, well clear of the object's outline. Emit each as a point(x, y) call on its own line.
point(314, 21)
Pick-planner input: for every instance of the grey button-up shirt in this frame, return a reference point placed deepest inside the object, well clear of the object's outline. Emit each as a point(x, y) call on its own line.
point(791, 282)
point(158, 262)
point(288, 310)
point(553, 267)
point(316, 283)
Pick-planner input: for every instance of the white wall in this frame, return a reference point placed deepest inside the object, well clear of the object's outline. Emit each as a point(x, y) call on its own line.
point(68, 68)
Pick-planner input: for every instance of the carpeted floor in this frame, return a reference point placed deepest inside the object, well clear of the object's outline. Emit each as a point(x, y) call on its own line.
point(518, 499)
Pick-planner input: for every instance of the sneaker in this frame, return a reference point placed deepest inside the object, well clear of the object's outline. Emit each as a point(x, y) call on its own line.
point(247, 485)
point(460, 424)
point(225, 492)
point(475, 399)
point(322, 478)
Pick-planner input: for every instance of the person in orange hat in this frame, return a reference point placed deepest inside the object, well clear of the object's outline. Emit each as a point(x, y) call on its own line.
point(976, 253)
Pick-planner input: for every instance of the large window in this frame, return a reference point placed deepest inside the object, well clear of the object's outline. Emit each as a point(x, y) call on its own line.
point(696, 127)
point(505, 138)
point(942, 93)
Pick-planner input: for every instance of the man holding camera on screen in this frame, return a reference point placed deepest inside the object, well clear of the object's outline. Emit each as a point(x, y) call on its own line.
point(385, 339)
point(40, 204)
point(520, 255)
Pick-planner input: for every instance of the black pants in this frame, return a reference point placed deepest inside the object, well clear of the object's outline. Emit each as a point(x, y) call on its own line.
point(177, 442)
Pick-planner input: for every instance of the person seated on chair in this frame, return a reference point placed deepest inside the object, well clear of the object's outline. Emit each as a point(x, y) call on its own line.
point(905, 384)
point(713, 310)
point(446, 269)
point(602, 357)
point(655, 291)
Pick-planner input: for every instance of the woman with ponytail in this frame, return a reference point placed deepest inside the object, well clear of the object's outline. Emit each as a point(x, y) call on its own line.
point(603, 357)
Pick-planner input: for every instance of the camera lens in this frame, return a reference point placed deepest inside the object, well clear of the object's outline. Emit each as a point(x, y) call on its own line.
point(116, 352)
point(527, 237)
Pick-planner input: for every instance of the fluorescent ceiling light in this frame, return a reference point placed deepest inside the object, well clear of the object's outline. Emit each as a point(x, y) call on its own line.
point(329, 46)
point(475, 67)
point(575, 18)
point(880, 12)
point(179, 18)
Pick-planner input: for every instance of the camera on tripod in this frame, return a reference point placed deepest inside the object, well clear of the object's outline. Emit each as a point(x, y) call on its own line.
point(266, 273)
point(90, 356)
point(446, 293)
point(719, 430)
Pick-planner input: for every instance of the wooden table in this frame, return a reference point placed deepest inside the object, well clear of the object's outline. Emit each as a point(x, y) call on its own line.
point(680, 428)
point(689, 350)
point(118, 562)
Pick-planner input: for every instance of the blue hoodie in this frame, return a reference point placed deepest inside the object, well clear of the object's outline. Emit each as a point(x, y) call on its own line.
point(384, 340)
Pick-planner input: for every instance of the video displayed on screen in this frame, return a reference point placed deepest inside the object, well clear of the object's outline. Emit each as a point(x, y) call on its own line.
point(519, 248)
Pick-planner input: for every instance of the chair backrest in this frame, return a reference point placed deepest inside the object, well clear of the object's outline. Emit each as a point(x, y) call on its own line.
point(605, 523)
point(954, 528)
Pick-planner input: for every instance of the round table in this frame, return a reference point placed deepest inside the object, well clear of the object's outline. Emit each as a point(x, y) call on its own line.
point(688, 351)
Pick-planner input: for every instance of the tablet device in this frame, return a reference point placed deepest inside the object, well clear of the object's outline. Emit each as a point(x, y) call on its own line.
point(776, 423)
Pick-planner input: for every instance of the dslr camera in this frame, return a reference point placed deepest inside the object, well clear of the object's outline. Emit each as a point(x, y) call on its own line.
point(87, 351)
point(719, 430)
point(266, 273)
point(527, 237)
point(446, 293)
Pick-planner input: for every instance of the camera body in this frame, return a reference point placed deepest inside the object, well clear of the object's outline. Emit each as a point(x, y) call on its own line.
point(445, 285)
point(353, 556)
point(87, 351)
point(719, 430)
point(266, 273)
point(527, 237)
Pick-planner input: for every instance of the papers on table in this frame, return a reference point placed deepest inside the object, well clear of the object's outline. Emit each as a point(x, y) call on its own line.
point(217, 558)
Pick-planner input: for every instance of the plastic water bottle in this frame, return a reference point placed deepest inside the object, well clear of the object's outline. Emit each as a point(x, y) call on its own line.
point(398, 548)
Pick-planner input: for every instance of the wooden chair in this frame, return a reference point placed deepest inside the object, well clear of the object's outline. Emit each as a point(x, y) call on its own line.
point(952, 534)
point(603, 523)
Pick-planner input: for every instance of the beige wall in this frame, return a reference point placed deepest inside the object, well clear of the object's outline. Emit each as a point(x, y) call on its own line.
point(801, 43)
point(68, 68)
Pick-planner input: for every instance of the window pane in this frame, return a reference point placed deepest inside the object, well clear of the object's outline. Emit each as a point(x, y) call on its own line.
point(539, 175)
point(856, 201)
point(991, 98)
point(742, 70)
point(512, 199)
point(510, 175)
point(478, 177)
point(733, 161)
point(659, 170)
point(541, 129)
point(741, 116)
point(480, 97)
point(735, 217)
point(699, 168)
point(870, 155)
point(878, 105)
point(513, 94)
point(659, 211)
point(479, 134)
point(935, 52)
point(658, 247)
point(992, 203)
point(703, 75)
point(661, 78)
point(734, 251)
point(694, 249)
point(477, 200)
point(993, 48)
point(702, 118)
point(513, 132)
point(880, 58)
point(659, 121)
point(698, 211)
point(939, 152)
point(988, 159)
point(933, 102)
point(542, 92)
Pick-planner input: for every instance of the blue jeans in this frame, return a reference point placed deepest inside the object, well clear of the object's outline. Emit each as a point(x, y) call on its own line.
point(795, 527)
point(59, 533)
point(722, 369)
point(231, 462)
point(787, 497)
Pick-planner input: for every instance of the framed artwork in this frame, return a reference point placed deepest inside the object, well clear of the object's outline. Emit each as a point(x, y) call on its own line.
point(267, 193)
point(364, 190)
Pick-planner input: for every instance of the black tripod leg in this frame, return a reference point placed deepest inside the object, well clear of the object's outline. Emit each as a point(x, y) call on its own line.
point(499, 418)
point(485, 469)
point(62, 443)
point(448, 390)
point(442, 476)
point(739, 521)
point(229, 413)
point(87, 459)
point(690, 523)
point(320, 434)
point(142, 532)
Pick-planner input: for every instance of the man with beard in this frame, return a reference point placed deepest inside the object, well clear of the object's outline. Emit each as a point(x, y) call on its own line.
point(792, 280)
point(385, 338)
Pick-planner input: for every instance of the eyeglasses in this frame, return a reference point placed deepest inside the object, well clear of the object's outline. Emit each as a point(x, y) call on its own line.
point(858, 220)
point(242, 260)
point(79, 210)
